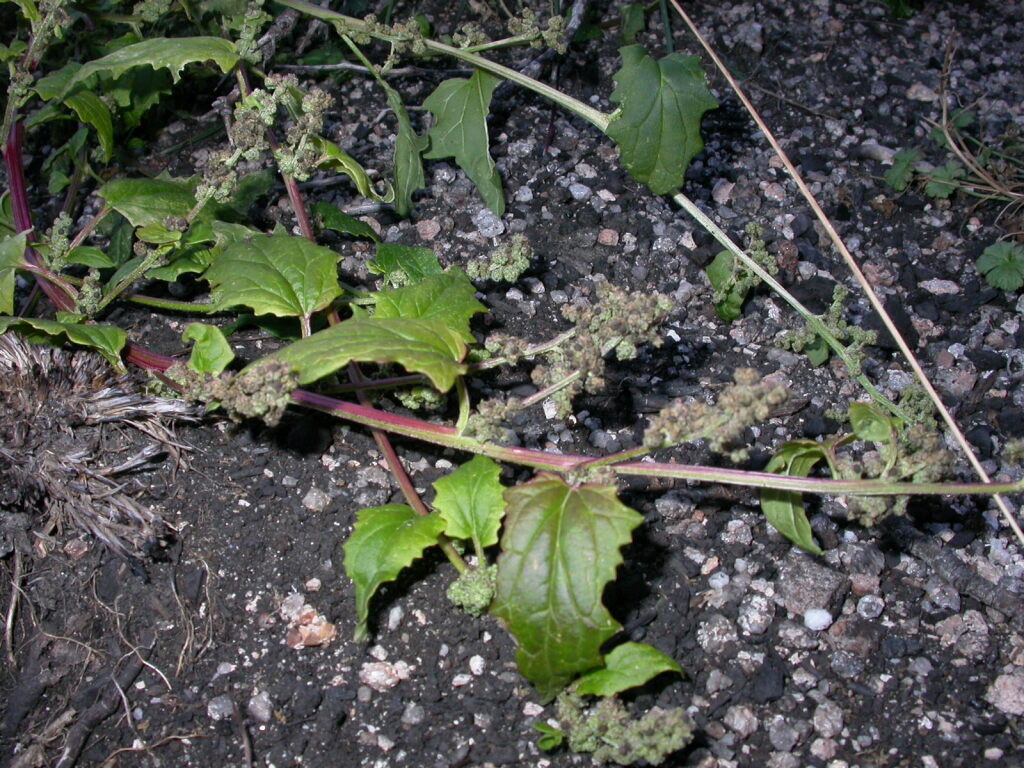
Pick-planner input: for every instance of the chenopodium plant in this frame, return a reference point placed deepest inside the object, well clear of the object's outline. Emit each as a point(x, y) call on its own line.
point(558, 536)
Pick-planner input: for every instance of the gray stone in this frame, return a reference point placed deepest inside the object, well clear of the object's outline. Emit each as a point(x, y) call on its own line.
point(1007, 693)
point(870, 606)
point(846, 664)
point(414, 714)
point(968, 633)
point(782, 734)
point(942, 595)
point(316, 500)
point(717, 681)
point(741, 719)
point(487, 223)
point(804, 584)
point(579, 191)
point(220, 707)
point(260, 707)
point(756, 614)
point(828, 719)
point(715, 634)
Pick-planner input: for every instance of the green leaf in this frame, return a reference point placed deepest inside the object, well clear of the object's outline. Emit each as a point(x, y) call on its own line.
point(12, 257)
point(161, 53)
point(419, 346)
point(275, 274)
point(471, 503)
point(401, 264)
point(105, 339)
point(192, 260)
point(90, 109)
point(551, 738)
point(211, 352)
point(903, 162)
point(7, 215)
point(28, 10)
point(632, 21)
point(339, 221)
point(785, 509)
point(385, 541)
point(460, 107)
point(408, 148)
point(448, 299)
point(869, 422)
point(628, 666)
point(332, 157)
point(657, 126)
point(943, 181)
point(560, 548)
point(721, 275)
point(1002, 264)
point(818, 351)
point(149, 201)
point(90, 256)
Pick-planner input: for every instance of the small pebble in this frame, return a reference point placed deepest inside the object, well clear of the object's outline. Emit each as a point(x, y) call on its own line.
point(220, 708)
point(870, 606)
point(260, 707)
point(817, 619)
point(741, 719)
point(315, 500)
point(579, 191)
point(413, 714)
point(487, 223)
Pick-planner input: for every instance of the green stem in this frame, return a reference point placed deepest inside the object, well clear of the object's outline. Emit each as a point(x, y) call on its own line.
point(125, 282)
point(173, 305)
point(813, 321)
point(464, 407)
point(346, 25)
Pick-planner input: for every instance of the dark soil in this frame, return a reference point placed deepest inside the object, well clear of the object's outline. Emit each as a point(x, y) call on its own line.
point(181, 659)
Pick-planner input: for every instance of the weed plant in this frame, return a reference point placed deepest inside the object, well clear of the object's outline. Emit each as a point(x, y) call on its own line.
point(543, 550)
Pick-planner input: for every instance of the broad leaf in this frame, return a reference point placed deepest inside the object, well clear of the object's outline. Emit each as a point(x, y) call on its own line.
point(1002, 264)
point(90, 256)
point(560, 548)
point(12, 257)
point(448, 299)
point(461, 108)
point(628, 665)
point(784, 510)
point(334, 158)
point(275, 275)
point(338, 221)
point(419, 346)
point(657, 126)
point(408, 148)
point(471, 503)
point(211, 352)
point(149, 201)
point(944, 180)
point(385, 541)
point(161, 53)
point(90, 109)
point(721, 275)
point(105, 339)
point(870, 423)
point(401, 264)
point(903, 162)
point(192, 260)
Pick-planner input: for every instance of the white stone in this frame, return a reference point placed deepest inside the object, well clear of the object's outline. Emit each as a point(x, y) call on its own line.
point(817, 619)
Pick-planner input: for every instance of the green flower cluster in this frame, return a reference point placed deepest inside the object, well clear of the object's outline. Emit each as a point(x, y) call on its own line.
point(746, 402)
point(261, 391)
point(607, 731)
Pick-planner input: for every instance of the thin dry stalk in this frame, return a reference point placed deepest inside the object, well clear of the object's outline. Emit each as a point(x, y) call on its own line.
point(851, 263)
